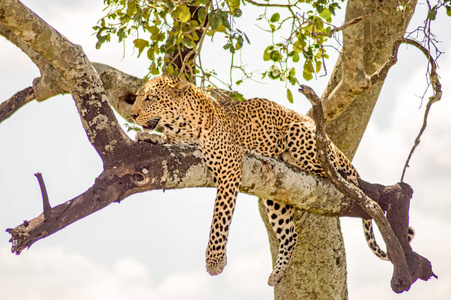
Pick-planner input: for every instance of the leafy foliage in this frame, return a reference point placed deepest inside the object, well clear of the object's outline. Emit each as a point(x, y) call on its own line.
point(171, 34)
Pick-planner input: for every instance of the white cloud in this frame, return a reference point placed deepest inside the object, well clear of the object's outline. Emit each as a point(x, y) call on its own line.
point(54, 273)
point(250, 273)
point(184, 286)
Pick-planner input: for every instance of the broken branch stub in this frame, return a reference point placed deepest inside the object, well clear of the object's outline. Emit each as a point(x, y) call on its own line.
point(408, 265)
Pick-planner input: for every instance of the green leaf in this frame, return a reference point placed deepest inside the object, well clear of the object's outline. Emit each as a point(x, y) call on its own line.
point(100, 40)
point(307, 75)
point(295, 57)
point(140, 44)
point(150, 54)
point(308, 66)
point(234, 5)
point(289, 96)
point(448, 11)
point(237, 13)
point(121, 34)
point(326, 15)
point(267, 53)
point(202, 14)
point(275, 56)
point(224, 19)
point(187, 43)
point(298, 46)
point(239, 43)
point(185, 14)
point(214, 20)
point(332, 9)
point(432, 13)
point(153, 29)
point(308, 70)
point(319, 64)
point(154, 69)
point(275, 17)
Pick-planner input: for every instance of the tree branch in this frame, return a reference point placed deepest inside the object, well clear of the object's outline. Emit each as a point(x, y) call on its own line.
point(82, 80)
point(50, 83)
point(359, 72)
point(270, 4)
point(19, 99)
point(45, 198)
point(120, 88)
point(173, 167)
point(405, 271)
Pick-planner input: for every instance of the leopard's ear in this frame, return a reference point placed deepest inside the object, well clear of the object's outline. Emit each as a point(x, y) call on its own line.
point(181, 86)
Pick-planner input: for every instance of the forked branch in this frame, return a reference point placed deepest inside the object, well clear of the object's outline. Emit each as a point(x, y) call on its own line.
point(408, 266)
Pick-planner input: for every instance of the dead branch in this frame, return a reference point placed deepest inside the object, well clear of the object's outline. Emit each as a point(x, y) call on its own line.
point(19, 99)
point(408, 265)
point(45, 198)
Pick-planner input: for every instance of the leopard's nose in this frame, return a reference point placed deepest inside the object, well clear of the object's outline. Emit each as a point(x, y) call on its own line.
point(134, 116)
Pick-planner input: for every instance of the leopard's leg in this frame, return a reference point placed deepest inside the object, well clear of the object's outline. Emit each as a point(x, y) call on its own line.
point(281, 218)
point(226, 172)
point(301, 148)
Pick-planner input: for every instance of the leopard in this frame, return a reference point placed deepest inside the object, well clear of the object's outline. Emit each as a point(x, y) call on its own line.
point(171, 110)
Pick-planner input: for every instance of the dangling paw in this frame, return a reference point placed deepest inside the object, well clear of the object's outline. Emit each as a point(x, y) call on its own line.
point(216, 263)
point(276, 276)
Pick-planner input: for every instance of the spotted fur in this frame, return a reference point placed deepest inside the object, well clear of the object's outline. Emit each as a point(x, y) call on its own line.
point(224, 131)
point(371, 240)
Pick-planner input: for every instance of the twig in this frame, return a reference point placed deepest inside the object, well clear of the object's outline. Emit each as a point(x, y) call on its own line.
point(347, 24)
point(45, 197)
point(401, 279)
point(437, 95)
point(270, 4)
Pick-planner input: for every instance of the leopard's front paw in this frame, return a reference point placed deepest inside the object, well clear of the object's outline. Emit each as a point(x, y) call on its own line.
point(276, 276)
point(216, 264)
point(153, 138)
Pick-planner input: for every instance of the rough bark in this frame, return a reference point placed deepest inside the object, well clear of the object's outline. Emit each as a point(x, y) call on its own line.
point(173, 167)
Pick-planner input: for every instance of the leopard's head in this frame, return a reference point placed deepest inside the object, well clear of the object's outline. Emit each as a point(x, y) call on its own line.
point(158, 102)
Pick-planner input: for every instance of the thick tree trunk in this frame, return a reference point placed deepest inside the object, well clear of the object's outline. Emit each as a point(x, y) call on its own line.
point(320, 248)
point(318, 267)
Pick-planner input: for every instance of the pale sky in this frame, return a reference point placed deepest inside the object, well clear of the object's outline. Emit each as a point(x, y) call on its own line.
point(152, 245)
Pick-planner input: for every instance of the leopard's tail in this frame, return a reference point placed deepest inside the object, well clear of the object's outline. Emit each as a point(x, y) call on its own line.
point(371, 241)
